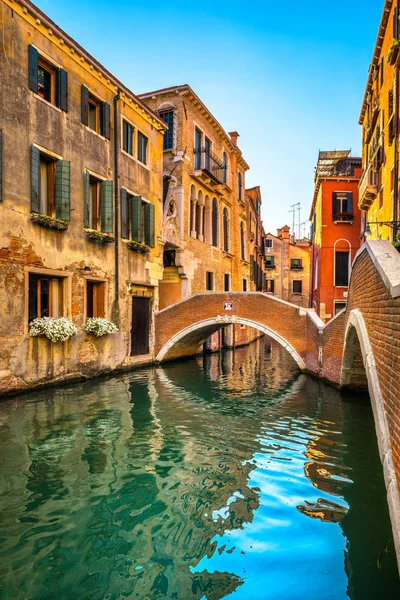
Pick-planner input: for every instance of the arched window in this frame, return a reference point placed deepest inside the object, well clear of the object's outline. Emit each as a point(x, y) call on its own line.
point(192, 216)
point(224, 168)
point(207, 220)
point(167, 112)
point(225, 222)
point(242, 247)
point(214, 222)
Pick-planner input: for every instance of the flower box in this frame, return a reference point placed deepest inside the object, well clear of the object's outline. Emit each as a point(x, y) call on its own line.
point(393, 52)
point(137, 247)
point(55, 329)
point(50, 222)
point(97, 326)
point(99, 236)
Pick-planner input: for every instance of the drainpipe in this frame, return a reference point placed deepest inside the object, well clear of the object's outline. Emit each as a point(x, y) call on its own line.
point(116, 207)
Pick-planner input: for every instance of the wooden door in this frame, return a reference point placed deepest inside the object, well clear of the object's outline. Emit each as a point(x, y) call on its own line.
point(140, 326)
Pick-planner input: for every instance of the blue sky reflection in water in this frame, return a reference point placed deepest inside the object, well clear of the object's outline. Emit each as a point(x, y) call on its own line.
point(213, 478)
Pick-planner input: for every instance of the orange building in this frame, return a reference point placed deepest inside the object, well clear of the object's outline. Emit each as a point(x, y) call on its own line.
point(336, 229)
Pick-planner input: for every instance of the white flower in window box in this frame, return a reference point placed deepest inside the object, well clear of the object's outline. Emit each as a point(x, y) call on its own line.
point(56, 330)
point(97, 326)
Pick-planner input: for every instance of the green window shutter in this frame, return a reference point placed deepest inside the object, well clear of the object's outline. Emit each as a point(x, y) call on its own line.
point(106, 207)
point(334, 205)
point(149, 224)
point(124, 213)
point(62, 90)
point(84, 105)
point(136, 218)
point(1, 165)
point(33, 57)
point(63, 190)
point(35, 169)
point(87, 199)
point(350, 202)
point(105, 120)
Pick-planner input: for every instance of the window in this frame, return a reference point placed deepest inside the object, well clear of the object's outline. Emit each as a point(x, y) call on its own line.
point(342, 206)
point(297, 286)
point(225, 222)
point(169, 117)
point(244, 287)
point(341, 268)
point(137, 219)
point(197, 149)
point(46, 80)
point(95, 296)
point(214, 223)
point(270, 285)
point(242, 244)
point(45, 296)
point(240, 186)
point(227, 282)
point(224, 168)
point(50, 185)
point(296, 263)
point(127, 137)
point(99, 211)
point(95, 113)
point(207, 152)
point(381, 71)
point(142, 148)
point(270, 261)
point(209, 281)
point(268, 243)
point(339, 305)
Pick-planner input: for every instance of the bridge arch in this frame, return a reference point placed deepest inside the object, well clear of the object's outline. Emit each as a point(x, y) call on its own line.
point(198, 332)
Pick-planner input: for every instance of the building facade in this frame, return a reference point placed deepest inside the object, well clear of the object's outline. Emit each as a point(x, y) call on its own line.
point(379, 187)
point(256, 240)
point(335, 230)
point(206, 208)
point(81, 205)
point(287, 267)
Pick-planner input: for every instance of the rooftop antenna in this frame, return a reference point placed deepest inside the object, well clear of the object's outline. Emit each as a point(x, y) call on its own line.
point(303, 224)
point(293, 210)
point(299, 209)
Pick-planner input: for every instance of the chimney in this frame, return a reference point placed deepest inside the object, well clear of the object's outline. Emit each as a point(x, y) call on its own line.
point(285, 232)
point(234, 136)
point(279, 233)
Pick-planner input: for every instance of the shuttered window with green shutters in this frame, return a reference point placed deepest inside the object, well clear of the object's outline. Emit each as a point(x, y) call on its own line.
point(35, 179)
point(63, 190)
point(136, 218)
point(106, 207)
point(149, 224)
point(47, 80)
point(124, 214)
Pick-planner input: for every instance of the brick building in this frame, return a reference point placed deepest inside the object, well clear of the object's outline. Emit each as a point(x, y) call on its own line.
point(81, 178)
point(256, 240)
point(379, 187)
point(206, 207)
point(336, 230)
point(287, 267)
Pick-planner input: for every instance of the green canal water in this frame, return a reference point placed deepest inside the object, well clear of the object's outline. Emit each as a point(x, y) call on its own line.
point(226, 476)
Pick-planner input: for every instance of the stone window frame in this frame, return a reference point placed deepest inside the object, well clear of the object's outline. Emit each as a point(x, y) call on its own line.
point(47, 58)
point(67, 290)
point(170, 107)
point(297, 281)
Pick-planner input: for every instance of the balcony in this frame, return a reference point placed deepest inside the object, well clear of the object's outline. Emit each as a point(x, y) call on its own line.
point(368, 188)
point(210, 166)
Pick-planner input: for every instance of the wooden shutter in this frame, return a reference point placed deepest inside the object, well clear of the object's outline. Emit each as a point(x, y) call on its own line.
point(350, 202)
point(334, 205)
point(1, 165)
point(35, 169)
point(124, 213)
point(251, 268)
point(33, 58)
point(125, 136)
point(149, 224)
point(63, 190)
point(395, 23)
point(105, 120)
point(136, 218)
point(106, 206)
point(87, 199)
point(84, 105)
point(62, 90)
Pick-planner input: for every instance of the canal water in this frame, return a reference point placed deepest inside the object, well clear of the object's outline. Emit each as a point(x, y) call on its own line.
point(229, 476)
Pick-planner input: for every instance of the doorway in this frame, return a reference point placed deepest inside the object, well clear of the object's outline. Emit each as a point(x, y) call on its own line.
point(140, 326)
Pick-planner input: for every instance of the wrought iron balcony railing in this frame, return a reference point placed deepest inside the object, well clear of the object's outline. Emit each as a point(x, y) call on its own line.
point(210, 164)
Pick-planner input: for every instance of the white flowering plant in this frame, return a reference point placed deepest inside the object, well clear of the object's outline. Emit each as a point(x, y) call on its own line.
point(55, 329)
point(97, 326)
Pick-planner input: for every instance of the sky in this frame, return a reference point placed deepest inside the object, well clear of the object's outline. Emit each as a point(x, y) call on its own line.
point(288, 76)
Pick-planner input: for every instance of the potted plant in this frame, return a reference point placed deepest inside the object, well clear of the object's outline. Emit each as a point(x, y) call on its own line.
point(55, 329)
point(98, 327)
point(396, 242)
point(393, 52)
point(98, 236)
point(137, 247)
point(49, 222)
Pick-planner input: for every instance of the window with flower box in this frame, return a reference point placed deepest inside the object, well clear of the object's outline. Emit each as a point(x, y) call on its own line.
point(45, 296)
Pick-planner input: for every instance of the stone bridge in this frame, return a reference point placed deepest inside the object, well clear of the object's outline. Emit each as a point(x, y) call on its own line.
point(358, 349)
